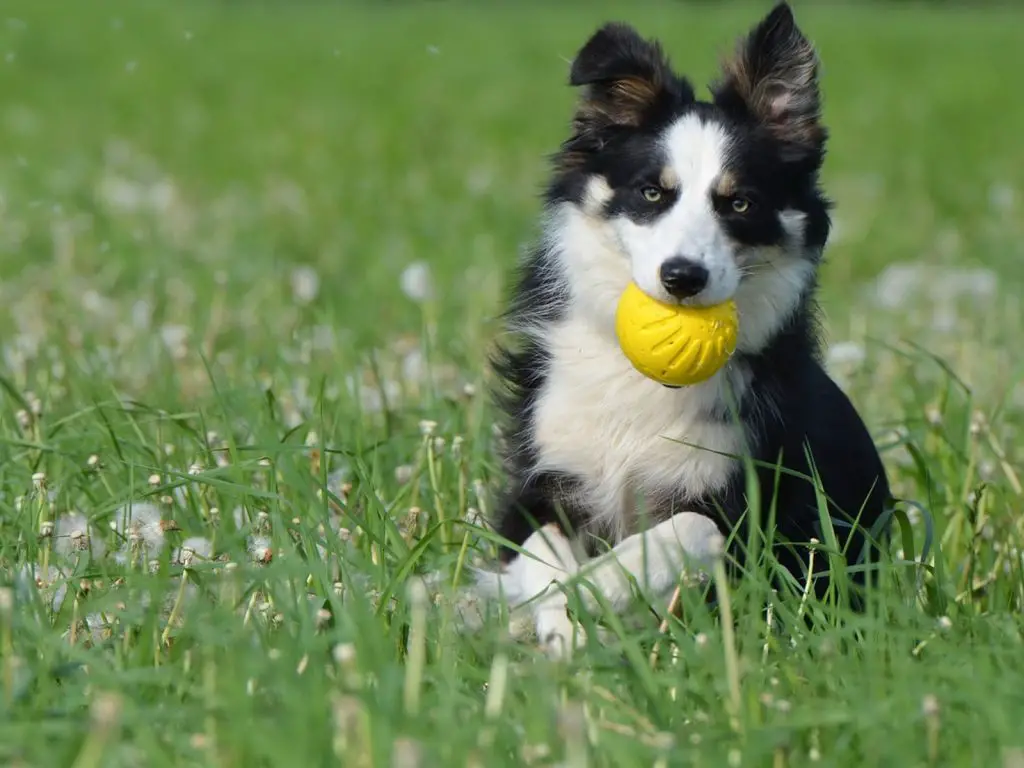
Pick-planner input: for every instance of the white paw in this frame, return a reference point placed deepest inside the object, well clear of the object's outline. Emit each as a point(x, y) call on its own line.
point(559, 635)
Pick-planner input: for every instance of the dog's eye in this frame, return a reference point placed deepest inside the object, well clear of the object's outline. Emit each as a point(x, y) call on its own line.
point(651, 194)
point(740, 204)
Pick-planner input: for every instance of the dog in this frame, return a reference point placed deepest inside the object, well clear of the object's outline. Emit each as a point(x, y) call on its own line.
point(696, 202)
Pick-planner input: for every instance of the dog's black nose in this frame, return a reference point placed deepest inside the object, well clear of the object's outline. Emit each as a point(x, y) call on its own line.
point(683, 278)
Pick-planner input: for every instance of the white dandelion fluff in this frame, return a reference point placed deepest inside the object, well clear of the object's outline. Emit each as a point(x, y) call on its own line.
point(305, 284)
point(190, 549)
point(73, 536)
point(846, 353)
point(141, 527)
point(416, 281)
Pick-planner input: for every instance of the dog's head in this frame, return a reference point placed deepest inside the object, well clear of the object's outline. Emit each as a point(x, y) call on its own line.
point(698, 196)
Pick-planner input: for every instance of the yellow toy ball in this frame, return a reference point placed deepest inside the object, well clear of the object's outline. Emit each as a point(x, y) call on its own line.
point(673, 344)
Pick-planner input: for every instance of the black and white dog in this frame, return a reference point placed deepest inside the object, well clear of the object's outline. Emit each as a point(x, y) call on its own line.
point(697, 202)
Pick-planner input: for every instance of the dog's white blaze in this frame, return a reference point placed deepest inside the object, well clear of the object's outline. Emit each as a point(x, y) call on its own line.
point(697, 152)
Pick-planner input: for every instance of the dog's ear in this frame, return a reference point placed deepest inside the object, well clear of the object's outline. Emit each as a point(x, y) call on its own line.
point(773, 78)
point(624, 78)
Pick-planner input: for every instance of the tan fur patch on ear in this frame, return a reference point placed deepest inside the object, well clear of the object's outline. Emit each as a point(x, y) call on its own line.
point(783, 96)
point(623, 102)
point(635, 92)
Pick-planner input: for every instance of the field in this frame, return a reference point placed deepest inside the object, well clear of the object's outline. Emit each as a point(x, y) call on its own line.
point(252, 256)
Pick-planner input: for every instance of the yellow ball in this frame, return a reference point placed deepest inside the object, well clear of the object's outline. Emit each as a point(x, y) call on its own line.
point(673, 344)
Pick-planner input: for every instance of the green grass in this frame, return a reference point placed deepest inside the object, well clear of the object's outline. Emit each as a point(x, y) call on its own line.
point(165, 170)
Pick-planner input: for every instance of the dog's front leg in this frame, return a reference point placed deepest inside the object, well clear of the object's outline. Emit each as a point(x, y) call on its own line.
point(686, 543)
point(532, 579)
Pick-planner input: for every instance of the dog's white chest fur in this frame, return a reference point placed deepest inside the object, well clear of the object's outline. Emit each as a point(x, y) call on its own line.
point(622, 434)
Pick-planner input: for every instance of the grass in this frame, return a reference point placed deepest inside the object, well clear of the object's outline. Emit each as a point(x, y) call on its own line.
point(211, 217)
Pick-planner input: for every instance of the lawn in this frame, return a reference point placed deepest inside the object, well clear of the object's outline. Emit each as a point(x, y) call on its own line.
point(252, 256)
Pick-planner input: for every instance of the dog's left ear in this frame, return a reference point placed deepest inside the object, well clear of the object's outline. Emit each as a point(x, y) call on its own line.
point(773, 78)
point(625, 77)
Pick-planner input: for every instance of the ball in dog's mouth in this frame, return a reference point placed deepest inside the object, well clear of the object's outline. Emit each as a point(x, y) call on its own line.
point(672, 344)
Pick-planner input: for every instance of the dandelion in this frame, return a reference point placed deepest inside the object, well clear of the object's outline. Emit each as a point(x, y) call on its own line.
point(142, 528)
point(406, 753)
point(73, 535)
point(93, 461)
point(305, 284)
point(427, 427)
point(845, 353)
point(260, 549)
point(39, 480)
point(192, 547)
point(154, 479)
point(344, 654)
point(414, 366)
point(416, 282)
point(175, 338)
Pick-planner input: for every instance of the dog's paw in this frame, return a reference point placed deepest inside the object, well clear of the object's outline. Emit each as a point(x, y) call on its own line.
point(558, 634)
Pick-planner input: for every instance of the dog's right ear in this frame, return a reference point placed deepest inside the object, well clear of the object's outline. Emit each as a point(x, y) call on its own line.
point(624, 78)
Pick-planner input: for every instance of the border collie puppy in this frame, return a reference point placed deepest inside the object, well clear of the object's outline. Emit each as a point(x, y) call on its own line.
point(697, 202)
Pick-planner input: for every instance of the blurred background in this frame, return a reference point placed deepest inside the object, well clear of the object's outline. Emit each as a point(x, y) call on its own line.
point(251, 252)
point(296, 190)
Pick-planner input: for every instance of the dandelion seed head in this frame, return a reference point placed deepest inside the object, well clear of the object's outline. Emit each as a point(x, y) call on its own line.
point(73, 535)
point(845, 354)
point(416, 282)
point(305, 283)
point(141, 525)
